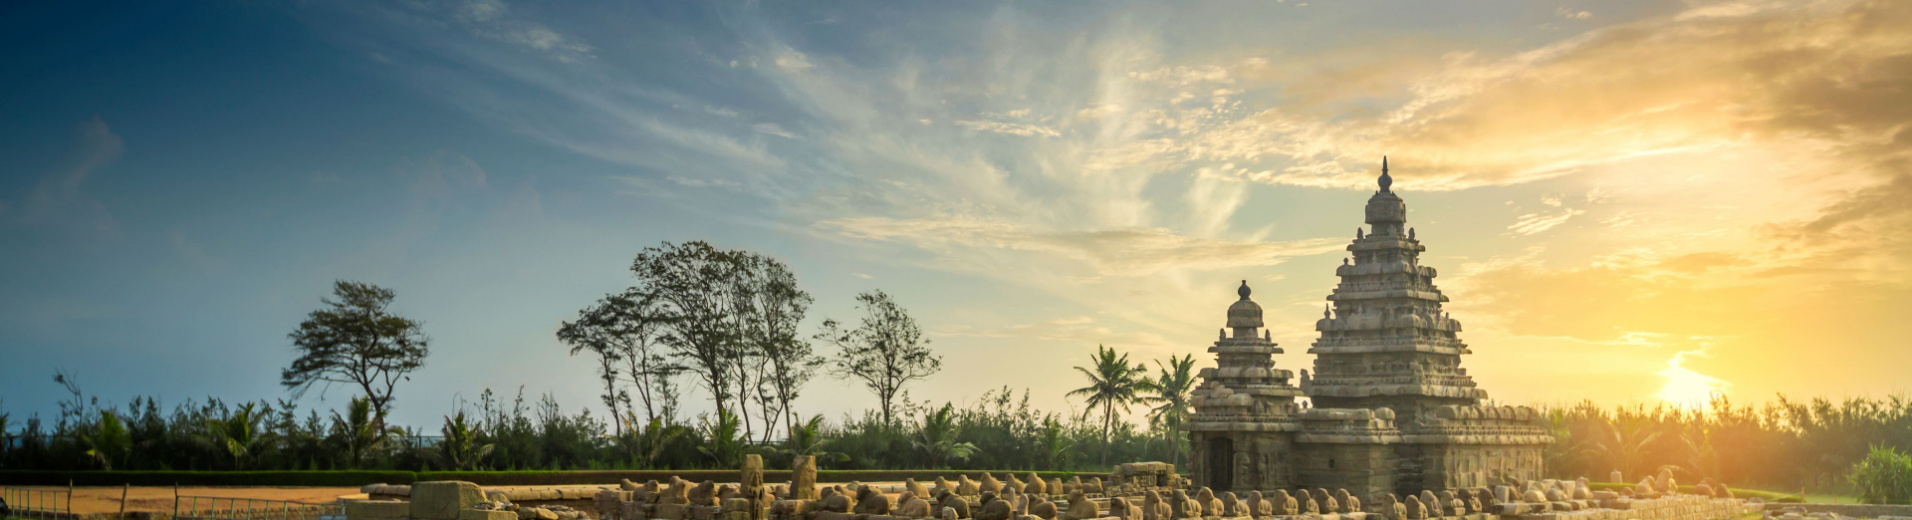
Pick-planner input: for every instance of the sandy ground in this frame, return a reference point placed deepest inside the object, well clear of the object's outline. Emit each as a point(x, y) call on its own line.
point(107, 499)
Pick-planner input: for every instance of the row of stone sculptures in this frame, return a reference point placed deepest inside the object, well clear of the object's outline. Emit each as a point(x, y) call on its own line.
point(1035, 485)
point(1017, 499)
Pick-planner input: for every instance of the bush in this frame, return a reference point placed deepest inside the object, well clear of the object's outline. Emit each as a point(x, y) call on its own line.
point(1883, 477)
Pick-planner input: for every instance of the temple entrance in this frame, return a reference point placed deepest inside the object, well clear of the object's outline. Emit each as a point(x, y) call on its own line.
point(1221, 467)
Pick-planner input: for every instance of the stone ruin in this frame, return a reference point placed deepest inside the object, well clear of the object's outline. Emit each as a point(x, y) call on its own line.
point(1139, 491)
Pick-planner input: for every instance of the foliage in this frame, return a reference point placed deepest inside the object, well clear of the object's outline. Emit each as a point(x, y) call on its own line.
point(354, 340)
point(1798, 445)
point(1113, 383)
point(1169, 392)
point(885, 351)
point(460, 450)
point(690, 284)
point(723, 441)
point(1883, 477)
point(360, 431)
point(237, 434)
point(623, 330)
point(937, 438)
point(107, 441)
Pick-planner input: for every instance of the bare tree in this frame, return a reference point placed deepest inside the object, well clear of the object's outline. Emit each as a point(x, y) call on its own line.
point(885, 351)
point(354, 340)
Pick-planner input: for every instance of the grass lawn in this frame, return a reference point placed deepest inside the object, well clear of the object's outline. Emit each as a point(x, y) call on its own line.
point(1831, 499)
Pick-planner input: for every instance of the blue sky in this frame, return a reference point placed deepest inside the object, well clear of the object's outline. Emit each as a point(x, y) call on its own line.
point(182, 182)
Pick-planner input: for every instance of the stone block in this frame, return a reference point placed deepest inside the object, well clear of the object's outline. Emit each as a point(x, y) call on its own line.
point(832, 515)
point(442, 500)
point(376, 510)
point(670, 511)
point(486, 514)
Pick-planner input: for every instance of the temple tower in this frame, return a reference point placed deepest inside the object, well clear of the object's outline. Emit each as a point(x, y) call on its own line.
point(1385, 342)
point(1241, 434)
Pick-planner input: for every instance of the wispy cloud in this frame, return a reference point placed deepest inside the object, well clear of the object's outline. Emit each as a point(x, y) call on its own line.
point(1111, 252)
point(59, 201)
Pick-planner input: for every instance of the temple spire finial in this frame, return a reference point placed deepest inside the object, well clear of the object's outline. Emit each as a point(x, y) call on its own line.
point(1386, 181)
point(1243, 291)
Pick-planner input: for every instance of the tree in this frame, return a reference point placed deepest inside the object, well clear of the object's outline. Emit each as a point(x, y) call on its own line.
point(937, 438)
point(724, 441)
point(354, 340)
point(806, 440)
point(885, 351)
point(643, 445)
point(769, 307)
point(1625, 442)
point(690, 283)
point(634, 325)
point(589, 332)
point(459, 449)
point(238, 434)
point(106, 442)
point(360, 431)
point(1169, 392)
point(1113, 383)
point(1052, 444)
point(622, 328)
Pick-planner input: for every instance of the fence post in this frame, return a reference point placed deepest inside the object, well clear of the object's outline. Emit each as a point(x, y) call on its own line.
point(69, 495)
point(125, 487)
point(175, 499)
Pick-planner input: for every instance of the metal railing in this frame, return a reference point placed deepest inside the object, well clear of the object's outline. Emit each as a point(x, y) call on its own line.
point(187, 507)
point(36, 503)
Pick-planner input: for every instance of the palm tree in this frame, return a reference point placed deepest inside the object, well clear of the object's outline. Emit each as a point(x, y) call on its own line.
point(1112, 383)
point(937, 437)
point(644, 445)
point(1624, 444)
point(724, 440)
point(238, 434)
point(105, 442)
point(1169, 392)
point(1052, 444)
point(359, 431)
point(1702, 459)
point(460, 449)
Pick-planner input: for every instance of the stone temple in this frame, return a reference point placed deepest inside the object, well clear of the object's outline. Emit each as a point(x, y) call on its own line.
point(1392, 411)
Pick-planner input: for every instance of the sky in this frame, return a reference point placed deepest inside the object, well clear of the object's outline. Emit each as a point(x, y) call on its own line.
point(1628, 201)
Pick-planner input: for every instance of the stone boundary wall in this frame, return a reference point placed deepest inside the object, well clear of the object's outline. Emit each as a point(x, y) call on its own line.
point(1858, 510)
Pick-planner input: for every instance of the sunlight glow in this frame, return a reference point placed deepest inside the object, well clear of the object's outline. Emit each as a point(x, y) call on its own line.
point(1685, 388)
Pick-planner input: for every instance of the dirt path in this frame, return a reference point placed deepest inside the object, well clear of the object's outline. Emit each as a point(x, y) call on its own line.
point(107, 499)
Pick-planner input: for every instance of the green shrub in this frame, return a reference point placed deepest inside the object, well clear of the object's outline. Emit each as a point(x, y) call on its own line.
point(1769, 496)
point(1883, 477)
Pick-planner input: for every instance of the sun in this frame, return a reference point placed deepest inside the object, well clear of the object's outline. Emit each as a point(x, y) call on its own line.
point(1685, 388)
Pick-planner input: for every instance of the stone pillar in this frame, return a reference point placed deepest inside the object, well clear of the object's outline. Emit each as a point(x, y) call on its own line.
point(751, 482)
point(803, 477)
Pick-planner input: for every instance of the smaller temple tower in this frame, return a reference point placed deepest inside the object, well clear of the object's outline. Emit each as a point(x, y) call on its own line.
point(1245, 409)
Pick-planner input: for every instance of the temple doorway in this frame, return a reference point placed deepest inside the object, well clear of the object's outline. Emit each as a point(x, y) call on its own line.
point(1221, 470)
